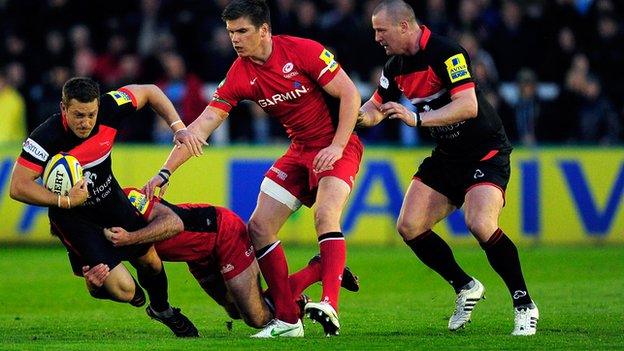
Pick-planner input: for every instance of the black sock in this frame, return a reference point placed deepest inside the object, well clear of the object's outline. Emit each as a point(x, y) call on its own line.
point(156, 286)
point(503, 257)
point(437, 255)
point(138, 299)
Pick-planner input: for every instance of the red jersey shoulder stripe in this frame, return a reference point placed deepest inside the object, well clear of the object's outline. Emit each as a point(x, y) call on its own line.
point(30, 165)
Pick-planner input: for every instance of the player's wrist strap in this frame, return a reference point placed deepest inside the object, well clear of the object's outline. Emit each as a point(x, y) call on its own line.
point(417, 119)
point(164, 174)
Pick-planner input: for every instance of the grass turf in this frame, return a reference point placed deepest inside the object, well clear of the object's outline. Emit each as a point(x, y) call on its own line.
point(402, 305)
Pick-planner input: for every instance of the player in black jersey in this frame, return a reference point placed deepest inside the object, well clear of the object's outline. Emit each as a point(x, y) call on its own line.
point(469, 165)
point(86, 128)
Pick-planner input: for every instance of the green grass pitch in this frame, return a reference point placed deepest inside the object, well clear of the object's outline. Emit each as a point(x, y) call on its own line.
point(402, 305)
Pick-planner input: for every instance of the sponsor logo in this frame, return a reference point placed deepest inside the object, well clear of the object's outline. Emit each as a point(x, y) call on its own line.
point(384, 82)
point(280, 174)
point(253, 81)
point(120, 97)
point(288, 67)
point(275, 332)
point(34, 149)
point(478, 174)
point(327, 57)
point(291, 74)
point(208, 222)
point(249, 251)
point(227, 268)
point(519, 294)
point(277, 98)
point(457, 68)
point(138, 200)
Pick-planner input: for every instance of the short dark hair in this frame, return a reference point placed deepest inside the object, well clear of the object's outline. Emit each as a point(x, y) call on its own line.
point(80, 88)
point(397, 10)
point(256, 10)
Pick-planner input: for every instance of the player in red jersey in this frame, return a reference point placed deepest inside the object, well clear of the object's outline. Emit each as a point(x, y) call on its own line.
point(291, 79)
point(213, 242)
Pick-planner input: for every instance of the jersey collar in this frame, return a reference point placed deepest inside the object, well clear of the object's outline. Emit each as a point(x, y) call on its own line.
point(424, 38)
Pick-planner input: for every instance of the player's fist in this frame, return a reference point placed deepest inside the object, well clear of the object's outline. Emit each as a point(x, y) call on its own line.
point(156, 183)
point(325, 159)
point(118, 236)
point(79, 193)
point(192, 142)
point(97, 275)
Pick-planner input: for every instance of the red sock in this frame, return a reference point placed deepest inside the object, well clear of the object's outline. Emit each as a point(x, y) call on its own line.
point(274, 268)
point(307, 276)
point(333, 257)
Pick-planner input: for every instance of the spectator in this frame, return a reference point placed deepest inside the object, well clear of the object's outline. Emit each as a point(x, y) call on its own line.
point(528, 108)
point(12, 112)
point(598, 120)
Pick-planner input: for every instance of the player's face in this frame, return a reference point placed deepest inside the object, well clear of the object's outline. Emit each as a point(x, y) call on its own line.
point(81, 116)
point(388, 33)
point(246, 38)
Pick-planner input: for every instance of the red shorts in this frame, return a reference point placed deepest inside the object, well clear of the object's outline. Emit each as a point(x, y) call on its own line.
point(294, 171)
point(230, 247)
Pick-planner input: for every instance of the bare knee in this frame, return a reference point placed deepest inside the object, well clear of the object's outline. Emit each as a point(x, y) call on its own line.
point(121, 288)
point(325, 217)
point(409, 229)
point(481, 227)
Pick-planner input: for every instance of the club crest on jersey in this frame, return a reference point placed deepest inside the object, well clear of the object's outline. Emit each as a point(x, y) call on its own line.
point(288, 67)
point(120, 97)
point(457, 68)
point(383, 81)
point(34, 149)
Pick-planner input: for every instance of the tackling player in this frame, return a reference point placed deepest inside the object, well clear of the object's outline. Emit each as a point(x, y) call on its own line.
point(292, 79)
point(86, 128)
point(469, 166)
point(206, 237)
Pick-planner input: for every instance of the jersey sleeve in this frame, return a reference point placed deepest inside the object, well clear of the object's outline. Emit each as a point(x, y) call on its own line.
point(317, 62)
point(115, 105)
point(453, 67)
point(143, 205)
point(38, 148)
point(227, 95)
point(387, 89)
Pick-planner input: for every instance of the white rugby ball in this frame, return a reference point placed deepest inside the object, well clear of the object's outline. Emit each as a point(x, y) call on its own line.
point(61, 173)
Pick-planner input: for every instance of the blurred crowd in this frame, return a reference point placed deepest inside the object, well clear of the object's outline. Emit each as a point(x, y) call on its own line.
point(552, 68)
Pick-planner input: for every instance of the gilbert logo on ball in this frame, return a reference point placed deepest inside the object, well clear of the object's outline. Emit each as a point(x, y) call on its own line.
point(61, 173)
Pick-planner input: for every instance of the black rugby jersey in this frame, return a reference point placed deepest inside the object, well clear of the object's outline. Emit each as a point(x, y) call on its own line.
point(107, 204)
point(438, 70)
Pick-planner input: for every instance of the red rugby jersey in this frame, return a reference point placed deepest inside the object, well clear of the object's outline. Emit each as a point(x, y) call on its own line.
point(287, 86)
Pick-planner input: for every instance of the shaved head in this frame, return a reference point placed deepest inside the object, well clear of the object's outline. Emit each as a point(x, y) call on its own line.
point(397, 10)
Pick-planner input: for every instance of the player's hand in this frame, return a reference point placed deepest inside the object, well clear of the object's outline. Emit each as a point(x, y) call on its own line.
point(79, 193)
point(97, 275)
point(118, 236)
point(325, 159)
point(192, 142)
point(157, 182)
point(394, 110)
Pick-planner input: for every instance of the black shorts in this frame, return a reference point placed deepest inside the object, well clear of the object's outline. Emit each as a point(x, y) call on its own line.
point(453, 177)
point(86, 241)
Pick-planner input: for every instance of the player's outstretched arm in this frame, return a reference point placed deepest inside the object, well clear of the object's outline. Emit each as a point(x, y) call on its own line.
point(163, 224)
point(202, 127)
point(151, 95)
point(24, 188)
point(340, 87)
point(370, 115)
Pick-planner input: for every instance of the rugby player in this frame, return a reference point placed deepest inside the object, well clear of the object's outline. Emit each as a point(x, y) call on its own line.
point(86, 128)
point(469, 165)
point(293, 80)
point(207, 237)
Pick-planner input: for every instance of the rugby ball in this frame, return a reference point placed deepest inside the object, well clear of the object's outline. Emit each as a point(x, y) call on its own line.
point(61, 173)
